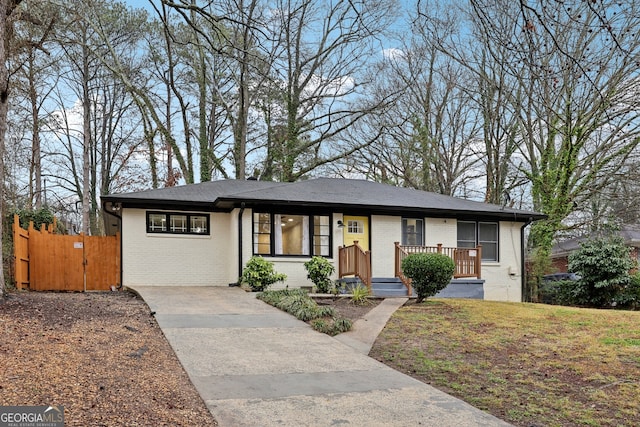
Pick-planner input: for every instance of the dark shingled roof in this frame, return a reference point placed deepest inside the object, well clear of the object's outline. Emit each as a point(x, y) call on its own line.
point(630, 234)
point(333, 193)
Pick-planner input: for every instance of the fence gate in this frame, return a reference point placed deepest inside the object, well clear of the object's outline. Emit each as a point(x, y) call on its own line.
point(45, 261)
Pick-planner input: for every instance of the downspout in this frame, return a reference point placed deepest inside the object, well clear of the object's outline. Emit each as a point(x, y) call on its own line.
point(523, 276)
point(116, 208)
point(240, 243)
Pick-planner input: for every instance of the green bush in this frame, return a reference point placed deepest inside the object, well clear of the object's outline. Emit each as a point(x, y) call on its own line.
point(259, 274)
point(39, 217)
point(360, 294)
point(333, 326)
point(319, 271)
point(429, 273)
point(559, 292)
point(603, 264)
point(303, 307)
point(298, 303)
point(273, 297)
point(629, 296)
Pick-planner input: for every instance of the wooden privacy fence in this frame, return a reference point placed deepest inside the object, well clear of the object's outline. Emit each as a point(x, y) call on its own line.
point(45, 261)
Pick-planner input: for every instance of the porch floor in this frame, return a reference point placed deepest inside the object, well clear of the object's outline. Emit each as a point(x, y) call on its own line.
point(390, 287)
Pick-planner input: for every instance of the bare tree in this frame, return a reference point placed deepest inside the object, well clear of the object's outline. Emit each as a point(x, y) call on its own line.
point(578, 99)
point(324, 89)
point(141, 86)
point(101, 131)
point(231, 64)
point(167, 71)
point(34, 80)
point(308, 91)
point(7, 9)
point(488, 84)
point(433, 128)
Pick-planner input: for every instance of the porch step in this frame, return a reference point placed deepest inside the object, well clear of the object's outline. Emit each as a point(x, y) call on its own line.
point(393, 287)
point(388, 287)
point(458, 288)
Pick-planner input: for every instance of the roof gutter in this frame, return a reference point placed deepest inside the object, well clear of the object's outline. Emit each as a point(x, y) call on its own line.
point(240, 241)
point(227, 203)
point(113, 209)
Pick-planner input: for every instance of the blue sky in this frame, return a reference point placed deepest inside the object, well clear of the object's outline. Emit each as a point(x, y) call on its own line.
point(139, 3)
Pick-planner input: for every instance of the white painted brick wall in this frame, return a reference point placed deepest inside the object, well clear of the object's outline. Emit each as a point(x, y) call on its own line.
point(441, 230)
point(175, 260)
point(503, 279)
point(294, 269)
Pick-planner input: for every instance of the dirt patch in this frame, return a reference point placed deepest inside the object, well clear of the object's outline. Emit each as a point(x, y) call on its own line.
point(100, 355)
point(344, 307)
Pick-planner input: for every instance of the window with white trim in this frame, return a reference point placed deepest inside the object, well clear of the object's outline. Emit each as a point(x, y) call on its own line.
point(474, 233)
point(355, 226)
point(177, 223)
point(412, 231)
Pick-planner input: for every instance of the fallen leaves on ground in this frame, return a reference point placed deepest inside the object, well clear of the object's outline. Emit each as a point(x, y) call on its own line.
point(529, 364)
point(101, 355)
point(345, 307)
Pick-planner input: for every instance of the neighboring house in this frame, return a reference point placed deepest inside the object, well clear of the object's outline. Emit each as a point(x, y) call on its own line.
point(561, 250)
point(203, 234)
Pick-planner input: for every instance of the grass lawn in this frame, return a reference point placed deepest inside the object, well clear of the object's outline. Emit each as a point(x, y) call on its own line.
point(528, 364)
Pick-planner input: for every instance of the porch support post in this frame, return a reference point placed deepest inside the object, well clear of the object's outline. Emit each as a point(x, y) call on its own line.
point(356, 260)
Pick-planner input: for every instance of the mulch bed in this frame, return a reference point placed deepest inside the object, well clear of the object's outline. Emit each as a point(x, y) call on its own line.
point(101, 355)
point(344, 307)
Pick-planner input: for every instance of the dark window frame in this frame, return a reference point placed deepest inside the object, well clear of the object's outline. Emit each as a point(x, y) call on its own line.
point(311, 230)
point(480, 242)
point(189, 231)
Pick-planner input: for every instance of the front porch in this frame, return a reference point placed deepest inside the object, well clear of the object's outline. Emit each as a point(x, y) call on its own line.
point(467, 281)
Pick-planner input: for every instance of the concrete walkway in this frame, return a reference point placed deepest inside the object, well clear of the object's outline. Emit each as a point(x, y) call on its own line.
point(364, 331)
point(257, 366)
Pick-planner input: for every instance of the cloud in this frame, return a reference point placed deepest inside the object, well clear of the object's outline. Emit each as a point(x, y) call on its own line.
point(333, 87)
point(393, 53)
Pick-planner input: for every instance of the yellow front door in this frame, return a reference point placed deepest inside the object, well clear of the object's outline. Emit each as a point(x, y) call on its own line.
point(356, 228)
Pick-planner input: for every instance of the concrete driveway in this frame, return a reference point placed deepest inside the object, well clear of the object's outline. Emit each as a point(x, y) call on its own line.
point(254, 365)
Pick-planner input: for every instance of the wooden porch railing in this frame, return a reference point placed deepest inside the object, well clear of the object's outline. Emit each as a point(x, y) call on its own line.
point(353, 260)
point(468, 261)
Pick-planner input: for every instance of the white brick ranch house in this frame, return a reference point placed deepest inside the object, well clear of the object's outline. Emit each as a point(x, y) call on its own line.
point(203, 234)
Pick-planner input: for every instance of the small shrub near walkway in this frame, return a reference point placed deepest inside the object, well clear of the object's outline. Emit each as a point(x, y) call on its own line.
point(298, 303)
point(429, 273)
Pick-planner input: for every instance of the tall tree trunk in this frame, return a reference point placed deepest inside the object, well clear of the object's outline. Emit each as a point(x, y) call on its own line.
point(241, 131)
point(6, 8)
point(86, 142)
point(206, 155)
point(149, 135)
point(35, 176)
point(4, 105)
